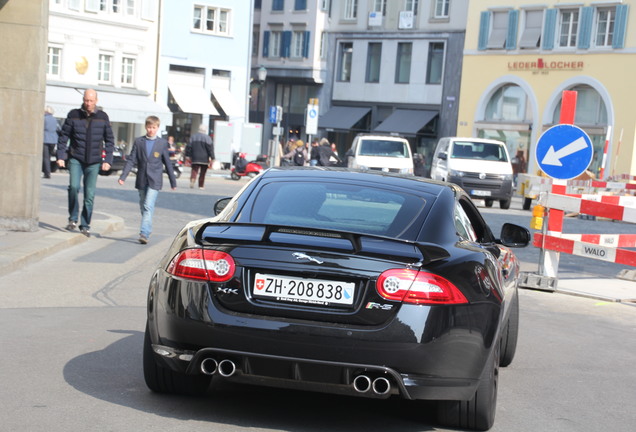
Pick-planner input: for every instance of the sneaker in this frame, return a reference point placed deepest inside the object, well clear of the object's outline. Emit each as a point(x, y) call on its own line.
point(143, 239)
point(85, 231)
point(71, 225)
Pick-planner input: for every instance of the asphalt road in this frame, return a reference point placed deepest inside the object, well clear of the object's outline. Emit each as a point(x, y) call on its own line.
point(71, 328)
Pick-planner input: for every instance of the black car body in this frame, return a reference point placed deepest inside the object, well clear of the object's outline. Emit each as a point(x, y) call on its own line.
point(354, 283)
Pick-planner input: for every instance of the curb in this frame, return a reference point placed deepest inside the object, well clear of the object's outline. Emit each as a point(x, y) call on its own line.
point(16, 257)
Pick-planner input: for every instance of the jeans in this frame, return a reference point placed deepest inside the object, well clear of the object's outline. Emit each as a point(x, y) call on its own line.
point(198, 170)
point(147, 199)
point(76, 170)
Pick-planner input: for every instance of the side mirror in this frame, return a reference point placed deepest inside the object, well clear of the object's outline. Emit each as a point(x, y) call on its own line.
point(442, 156)
point(514, 235)
point(220, 205)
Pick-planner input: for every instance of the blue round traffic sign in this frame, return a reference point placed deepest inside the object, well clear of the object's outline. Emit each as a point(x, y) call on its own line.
point(564, 151)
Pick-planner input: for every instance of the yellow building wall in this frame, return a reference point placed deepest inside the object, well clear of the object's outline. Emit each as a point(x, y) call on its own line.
point(611, 71)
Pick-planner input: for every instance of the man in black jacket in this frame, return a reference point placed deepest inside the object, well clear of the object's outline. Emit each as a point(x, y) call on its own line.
point(91, 148)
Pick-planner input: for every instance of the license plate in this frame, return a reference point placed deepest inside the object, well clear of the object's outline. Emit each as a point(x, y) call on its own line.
point(305, 291)
point(476, 192)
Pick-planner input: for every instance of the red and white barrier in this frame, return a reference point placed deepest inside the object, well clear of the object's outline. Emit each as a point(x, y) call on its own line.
point(588, 250)
point(589, 207)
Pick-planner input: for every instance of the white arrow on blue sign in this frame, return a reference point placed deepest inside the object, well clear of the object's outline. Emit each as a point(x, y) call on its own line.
point(564, 151)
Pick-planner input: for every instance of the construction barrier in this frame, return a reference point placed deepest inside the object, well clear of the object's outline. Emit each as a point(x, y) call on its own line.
point(604, 247)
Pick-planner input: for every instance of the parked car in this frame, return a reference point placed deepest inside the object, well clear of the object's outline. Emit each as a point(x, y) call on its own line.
point(386, 153)
point(481, 166)
point(351, 282)
point(119, 161)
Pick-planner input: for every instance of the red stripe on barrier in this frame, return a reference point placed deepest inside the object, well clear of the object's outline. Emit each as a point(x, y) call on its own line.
point(602, 209)
point(627, 257)
point(623, 256)
point(591, 238)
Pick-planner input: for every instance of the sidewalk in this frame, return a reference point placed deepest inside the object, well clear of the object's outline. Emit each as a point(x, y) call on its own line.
point(18, 249)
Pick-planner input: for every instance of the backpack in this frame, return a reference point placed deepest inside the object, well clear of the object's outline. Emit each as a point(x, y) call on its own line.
point(299, 157)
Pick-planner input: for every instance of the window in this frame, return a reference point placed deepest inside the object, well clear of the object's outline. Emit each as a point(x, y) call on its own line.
point(531, 36)
point(441, 8)
point(508, 104)
point(379, 6)
point(53, 61)
point(74, 5)
point(300, 5)
point(130, 7)
point(324, 5)
point(116, 6)
point(323, 45)
point(278, 5)
point(274, 43)
point(211, 20)
point(351, 9)
point(374, 60)
point(255, 42)
point(345, 55)
point(463, 225)
point(128, 71)
point(499, 30)
point(411, 5)
point(104, 68)
point(435, 63)
point(605, 18)
point(403, 62)
point(568, 27)
point(297, 44)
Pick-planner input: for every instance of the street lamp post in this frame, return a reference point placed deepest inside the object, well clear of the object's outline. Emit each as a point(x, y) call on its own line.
point(262, 77)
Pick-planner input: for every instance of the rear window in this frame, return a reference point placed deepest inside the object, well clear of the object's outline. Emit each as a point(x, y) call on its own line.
point(339, 207)
point(383, 148)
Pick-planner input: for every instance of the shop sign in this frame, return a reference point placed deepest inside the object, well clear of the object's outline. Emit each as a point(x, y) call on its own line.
point(541, 66)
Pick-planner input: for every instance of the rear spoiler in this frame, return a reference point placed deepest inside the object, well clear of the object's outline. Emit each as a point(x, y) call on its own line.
point(363, 243)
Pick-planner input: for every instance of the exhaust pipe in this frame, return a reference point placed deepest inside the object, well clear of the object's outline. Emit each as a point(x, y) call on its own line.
point(209, 366)
point(381, 386)
point(227, 368)
point(362, 383)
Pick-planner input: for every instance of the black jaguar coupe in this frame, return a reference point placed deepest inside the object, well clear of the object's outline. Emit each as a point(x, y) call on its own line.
point(353, 283)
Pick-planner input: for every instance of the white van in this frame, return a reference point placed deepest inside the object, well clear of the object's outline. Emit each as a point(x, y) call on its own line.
point(386, 153)
point(480, 166)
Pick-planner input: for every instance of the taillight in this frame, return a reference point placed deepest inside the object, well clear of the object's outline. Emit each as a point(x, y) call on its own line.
point(202, 264)
point(416, 287)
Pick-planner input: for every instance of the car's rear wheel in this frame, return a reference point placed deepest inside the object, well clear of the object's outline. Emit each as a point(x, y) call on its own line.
point(479, 412)
point(510, 334)
point(163, 380)
point(505, 204)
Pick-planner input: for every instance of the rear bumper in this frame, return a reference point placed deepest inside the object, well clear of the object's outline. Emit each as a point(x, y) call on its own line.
point(424, 352)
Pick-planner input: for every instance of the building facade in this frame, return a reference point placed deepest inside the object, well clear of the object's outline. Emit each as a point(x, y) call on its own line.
point(204, 63)
point(520, 57)
point(111, 46)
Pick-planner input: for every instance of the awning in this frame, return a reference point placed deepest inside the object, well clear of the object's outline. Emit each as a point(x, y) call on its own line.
point(342, 117)
point(192, 99)
point(224, 97)
point(120, 107)
point(406, 122)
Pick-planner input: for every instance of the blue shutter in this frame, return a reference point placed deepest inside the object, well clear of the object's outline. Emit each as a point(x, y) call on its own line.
point(286, 44)
point(484, 27)
point(306, 44)
point(278, 5)
point(585, 29)
point(266, 44)
point(620, 25)
point(549, 29)
point(511, 37)
point(300, 5)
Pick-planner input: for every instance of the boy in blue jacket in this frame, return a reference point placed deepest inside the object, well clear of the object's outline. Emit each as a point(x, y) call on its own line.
point(150, 155)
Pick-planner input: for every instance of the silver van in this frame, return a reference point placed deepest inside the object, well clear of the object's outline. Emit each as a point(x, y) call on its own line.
point(481, 167)
point(386, 153)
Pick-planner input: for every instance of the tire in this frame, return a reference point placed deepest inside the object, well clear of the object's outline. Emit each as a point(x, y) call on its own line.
point(488, 202)
point(505, 204)
point(479, 412)
point(234, 176)
point(510, 334)
point(527, 202)
point(177, 173)
point(160, 379)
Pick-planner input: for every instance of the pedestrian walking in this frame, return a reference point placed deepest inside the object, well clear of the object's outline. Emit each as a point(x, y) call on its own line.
point(199, 155)
point(149, 154)
point(85, 145)
point(50, 139)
